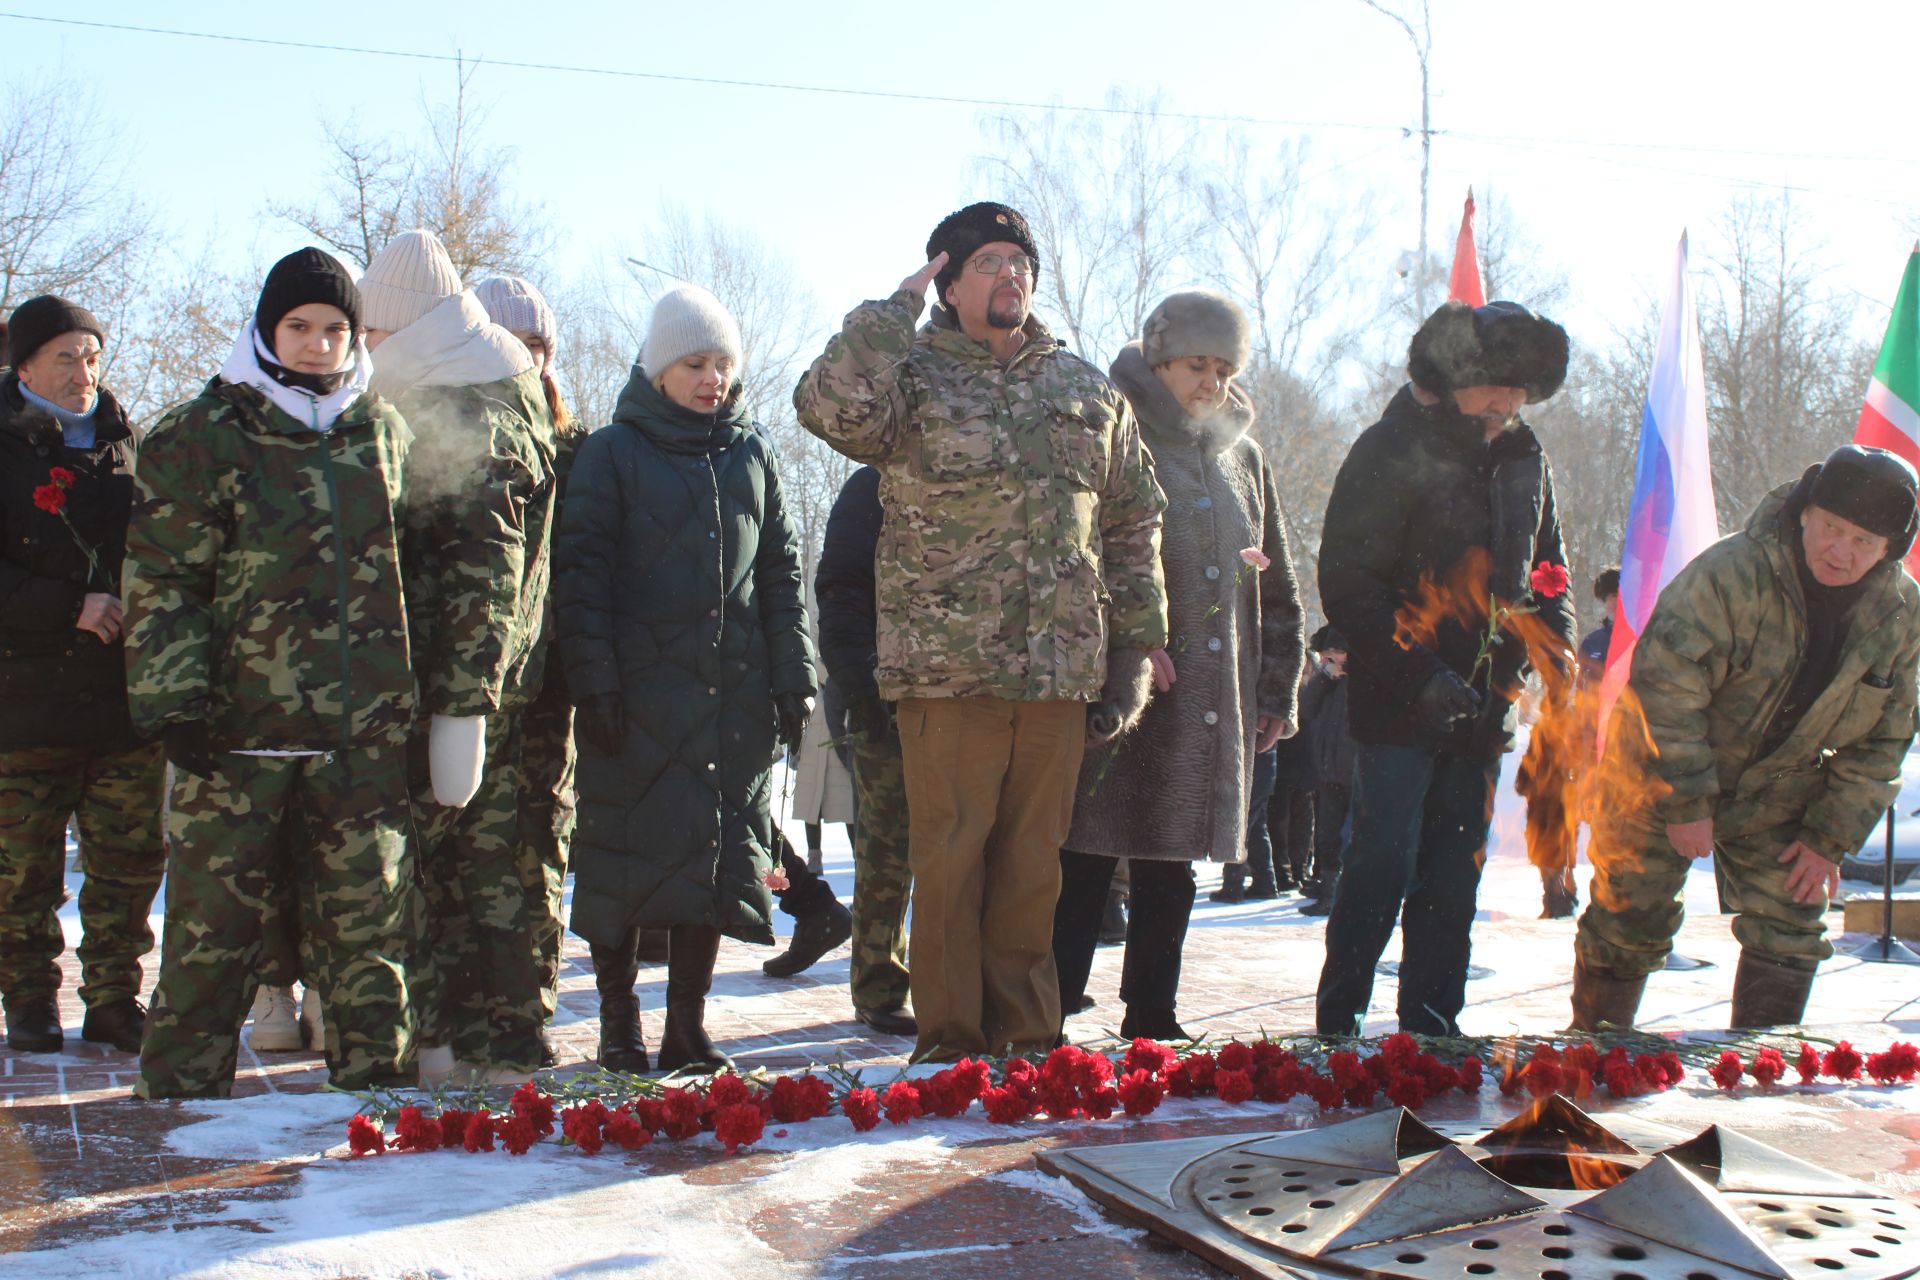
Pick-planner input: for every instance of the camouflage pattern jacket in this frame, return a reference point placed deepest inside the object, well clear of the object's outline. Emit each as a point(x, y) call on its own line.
point(1022, 528)
point(262, 579)
point(1717, 658)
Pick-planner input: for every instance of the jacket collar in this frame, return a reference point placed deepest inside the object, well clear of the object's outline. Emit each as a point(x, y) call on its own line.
point(677, 430)
point(942, 332)
point(1462, 435)
point(1164, 420)
point(34, 425)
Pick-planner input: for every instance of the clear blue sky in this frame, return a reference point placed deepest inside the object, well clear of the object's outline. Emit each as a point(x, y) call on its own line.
point(1606, 129)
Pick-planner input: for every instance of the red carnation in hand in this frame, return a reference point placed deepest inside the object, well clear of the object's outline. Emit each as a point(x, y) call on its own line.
point(1841, 1062)
point(862, 1108)
point(738, 1125)
point(1727, 1070)
point(1140, 1092)
point(1808, 1063)
point(1768, 1066)
point(50, 498)
point(413, 1131)
point(1549, 579)
point(1232, 1086)
point(364, 1137)
point(902, 1101)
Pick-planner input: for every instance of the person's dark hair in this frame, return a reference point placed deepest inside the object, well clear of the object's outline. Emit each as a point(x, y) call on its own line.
point(1607, 585)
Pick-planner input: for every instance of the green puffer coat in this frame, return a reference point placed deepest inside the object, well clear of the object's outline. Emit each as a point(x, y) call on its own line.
point(1716, 661)
point(262, 579)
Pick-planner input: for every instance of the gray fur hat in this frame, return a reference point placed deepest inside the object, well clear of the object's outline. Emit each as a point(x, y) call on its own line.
point(1501, 344)
point(1196, 322)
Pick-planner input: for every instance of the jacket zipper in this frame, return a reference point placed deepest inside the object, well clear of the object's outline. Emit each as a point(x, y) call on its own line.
point(340, 581)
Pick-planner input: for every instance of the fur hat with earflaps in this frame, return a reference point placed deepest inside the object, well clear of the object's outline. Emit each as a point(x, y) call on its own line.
point(1499, 345)
point(961, 233)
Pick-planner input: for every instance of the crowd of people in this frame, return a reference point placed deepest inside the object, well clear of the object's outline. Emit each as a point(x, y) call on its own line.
point(372, 643)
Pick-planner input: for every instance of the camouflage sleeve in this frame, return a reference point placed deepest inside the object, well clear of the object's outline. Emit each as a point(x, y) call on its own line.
point(1283, 642)
point(1131, 510)
point(1677, 665)
point(1863, 777)
point(175, 539)
point(778, 584)
point(851, 395)
point(583, 561)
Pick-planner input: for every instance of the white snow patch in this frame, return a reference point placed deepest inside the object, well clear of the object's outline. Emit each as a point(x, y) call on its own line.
point(1091, 1217)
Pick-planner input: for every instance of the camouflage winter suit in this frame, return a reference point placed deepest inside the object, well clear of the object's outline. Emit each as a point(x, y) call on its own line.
point(1718, 657)
point(263, 597)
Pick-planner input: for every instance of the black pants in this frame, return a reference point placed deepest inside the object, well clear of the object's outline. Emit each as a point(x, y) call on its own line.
point(1290, 823)
point(1259, 863)
point(1420, 820)
point(1330, 805)
point(1161, 902)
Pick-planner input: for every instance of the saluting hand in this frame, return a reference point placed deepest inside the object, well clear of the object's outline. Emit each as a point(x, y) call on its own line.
point(917, 282)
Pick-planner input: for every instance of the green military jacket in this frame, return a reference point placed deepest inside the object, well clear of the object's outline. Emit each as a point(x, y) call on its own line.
point(262, 580)
point(1718, 656)
point(481, 500)
point(1022, 532)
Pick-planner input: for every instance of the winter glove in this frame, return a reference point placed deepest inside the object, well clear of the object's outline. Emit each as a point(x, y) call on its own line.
point(1492, 736)
point(1129, 684)
point(189, 746)
point(868, 714)
point(456, 754)
point(790, 712)
point(602, 721)
point(1442, 701)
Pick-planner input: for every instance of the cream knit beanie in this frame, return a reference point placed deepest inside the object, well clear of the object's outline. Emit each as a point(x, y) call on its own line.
point(408, 278)
point(686, 319)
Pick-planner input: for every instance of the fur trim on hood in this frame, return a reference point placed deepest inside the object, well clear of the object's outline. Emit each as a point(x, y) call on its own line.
point(1163, 418)
point(453, 345)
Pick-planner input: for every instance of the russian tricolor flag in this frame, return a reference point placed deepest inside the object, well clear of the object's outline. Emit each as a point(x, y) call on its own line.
point(1891, 417)
point(1671, 518)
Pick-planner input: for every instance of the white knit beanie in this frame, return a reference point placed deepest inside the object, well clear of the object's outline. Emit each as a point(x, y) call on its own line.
point(514, 304)
point(405, 280)
point(687, 319)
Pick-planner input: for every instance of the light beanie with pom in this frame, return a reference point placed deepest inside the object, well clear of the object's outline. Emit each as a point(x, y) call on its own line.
point(408, 278)
point(686, 320)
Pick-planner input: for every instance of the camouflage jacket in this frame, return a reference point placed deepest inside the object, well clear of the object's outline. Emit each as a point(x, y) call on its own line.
point(1022, 527)
point(1719, 653)
point(262, 578)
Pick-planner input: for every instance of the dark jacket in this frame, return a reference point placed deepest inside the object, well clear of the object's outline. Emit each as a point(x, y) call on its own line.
point(1331, 740)
point(1298, 766)
point(60, 686)
point(679, 588)
point(1408, 558)
point(843, 584)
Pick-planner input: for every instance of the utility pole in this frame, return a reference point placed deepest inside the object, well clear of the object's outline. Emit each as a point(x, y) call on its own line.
point(1422, 41)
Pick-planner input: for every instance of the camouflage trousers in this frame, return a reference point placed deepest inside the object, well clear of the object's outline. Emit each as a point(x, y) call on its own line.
point(882, 879)
point(1639, 882)
point(334, 829)
point(546, 826)
point(115, 797)
point(476, 975)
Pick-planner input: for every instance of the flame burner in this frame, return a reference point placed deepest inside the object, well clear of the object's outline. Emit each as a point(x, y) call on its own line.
point(1551, 1195)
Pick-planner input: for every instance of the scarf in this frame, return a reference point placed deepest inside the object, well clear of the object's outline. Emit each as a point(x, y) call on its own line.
point(76, 429)
point(250, 366)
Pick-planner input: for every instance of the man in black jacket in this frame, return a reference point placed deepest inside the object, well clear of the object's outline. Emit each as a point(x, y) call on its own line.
point(1442, 506)
point(67, 744)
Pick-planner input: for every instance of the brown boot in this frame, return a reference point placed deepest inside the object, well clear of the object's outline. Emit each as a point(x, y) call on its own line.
point(615, 969)
point(684, 1045)
point(1602, 1000)
point(1769, 993)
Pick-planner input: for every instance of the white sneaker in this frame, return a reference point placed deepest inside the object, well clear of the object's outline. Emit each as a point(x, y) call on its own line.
point(312, 1022)
point(436, 1065)
point(276, 1025)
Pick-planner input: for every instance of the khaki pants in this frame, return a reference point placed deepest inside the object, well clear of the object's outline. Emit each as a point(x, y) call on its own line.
point(990, 798)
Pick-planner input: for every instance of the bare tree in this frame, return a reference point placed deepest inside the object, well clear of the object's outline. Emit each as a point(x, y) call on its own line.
point(1422, 41)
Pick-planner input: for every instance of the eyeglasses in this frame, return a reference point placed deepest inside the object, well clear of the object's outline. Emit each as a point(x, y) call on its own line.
point(989, 264)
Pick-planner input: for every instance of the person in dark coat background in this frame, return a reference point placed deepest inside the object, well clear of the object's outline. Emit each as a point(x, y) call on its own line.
point(683, 622)
point(1331, 745)
point(1444, 502)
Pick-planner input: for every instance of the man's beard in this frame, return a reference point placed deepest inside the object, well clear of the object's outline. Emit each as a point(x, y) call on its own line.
point(1006, 315)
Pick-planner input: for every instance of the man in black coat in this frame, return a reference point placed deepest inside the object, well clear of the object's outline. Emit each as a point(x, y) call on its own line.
point(67, 744)
point(1442, 506)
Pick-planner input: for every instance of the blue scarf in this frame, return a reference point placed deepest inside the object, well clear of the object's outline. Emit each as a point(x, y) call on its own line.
point(75, 428)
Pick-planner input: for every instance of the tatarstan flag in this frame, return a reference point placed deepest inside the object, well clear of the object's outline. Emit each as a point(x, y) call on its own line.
point(1891, 417)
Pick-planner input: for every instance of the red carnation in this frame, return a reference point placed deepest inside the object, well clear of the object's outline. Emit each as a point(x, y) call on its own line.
point(1768, 1066)
point(902, 1101)
point(1549, 579)
point(797, 1098)
point(1021, 1076)
point(737, 1125)
point(413, 1131)
point(1235, 1057)
point(1468, 1074)
point(626, 1132)
point(861, 1107)
point(1006, 1105)
point(583, 1125)
point(1901, 1061)
point(1200, 1068)
point(1621, 1079)
point(1268, 1054)
point(50, 498)
point(1232, 1086)
point(516, 1134)
point(480, 1131)
point(973, 1075)
point(1399, 1049)
point(726, 1090)
point(453, 1127)
point(1345, 1068)
point(60, 476)
point(536, 1106)
point(944, 1095)
point(1407, 1091)
point(679, 1113)
point(1727, 1070)
point(1179, 1083)
point(1100, 1103)
point(364, 1137)
point(1808, 1063)
point(1140, 1093)
point(1326, 1091)
point(1841, 1062)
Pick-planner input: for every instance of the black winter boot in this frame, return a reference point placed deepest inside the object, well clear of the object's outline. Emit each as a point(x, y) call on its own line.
point(1769, 993)
point(33, 1025)
point(1152, 1024)
point(684, 1045)
point(615, 970)
point(814, 934)
point(1600, 997)
point(120, 1023)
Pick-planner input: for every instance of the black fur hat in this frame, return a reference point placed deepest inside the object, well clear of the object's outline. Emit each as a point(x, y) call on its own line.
point(961, 233)
point(1501, 344)
point(1872, 488)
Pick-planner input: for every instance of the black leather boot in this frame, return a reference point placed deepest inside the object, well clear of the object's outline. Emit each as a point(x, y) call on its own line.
point(814, 934)
point(1600, 997)
point(615, 970)
point(1152, 1024)
point(33, 1025)
point(121, 1024)
point(1769, 993)
point(684, 1045)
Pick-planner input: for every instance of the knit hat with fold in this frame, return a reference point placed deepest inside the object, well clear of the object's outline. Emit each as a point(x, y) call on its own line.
point(408, 278)
point(688, 319)
point(514, 304)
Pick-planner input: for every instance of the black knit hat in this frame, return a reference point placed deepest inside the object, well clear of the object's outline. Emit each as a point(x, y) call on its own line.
point(960, 235)
point(1327, 637)
point(1501, 344)
point(306, 275)
point(38, 321)
point(1872, 488)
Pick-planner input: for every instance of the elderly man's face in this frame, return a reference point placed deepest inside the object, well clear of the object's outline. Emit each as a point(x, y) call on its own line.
point(1839, 552)
point(65, 371)
point(994, 289)
point(1498, 408)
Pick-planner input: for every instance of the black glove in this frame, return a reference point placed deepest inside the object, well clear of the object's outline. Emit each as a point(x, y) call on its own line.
point(1492, 736)
point(1123, 698)
point(602, 721)
point(868, 714)
point(790, 712)
point(1443, 701)
point(189, 746)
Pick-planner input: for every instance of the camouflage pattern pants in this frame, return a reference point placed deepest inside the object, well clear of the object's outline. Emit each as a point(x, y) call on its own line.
point(1639, 883)
point(477, 977)
point(546, 826)
point(334, 828)
point(882, 879)
point(115, 797)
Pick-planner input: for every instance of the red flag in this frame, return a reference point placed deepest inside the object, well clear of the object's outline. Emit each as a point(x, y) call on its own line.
point(1465, 284)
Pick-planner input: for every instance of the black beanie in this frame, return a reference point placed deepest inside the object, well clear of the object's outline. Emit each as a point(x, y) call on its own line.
point(306, 275)
point(1872, 488)
point(38, 321)
point(960, 235)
